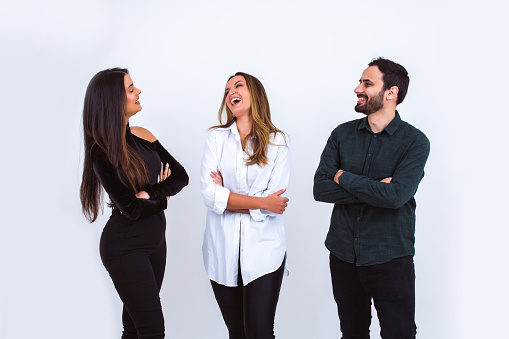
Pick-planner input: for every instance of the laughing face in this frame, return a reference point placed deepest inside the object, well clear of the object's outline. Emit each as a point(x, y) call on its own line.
point(132, 105)
point(237, 95)
point(370, 92)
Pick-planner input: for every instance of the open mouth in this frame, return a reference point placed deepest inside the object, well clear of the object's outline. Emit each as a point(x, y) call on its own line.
point(361, 99)
point(235, 101)
point(137, 102)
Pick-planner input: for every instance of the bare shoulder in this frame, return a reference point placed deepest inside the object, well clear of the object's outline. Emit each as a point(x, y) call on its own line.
point(143, 133)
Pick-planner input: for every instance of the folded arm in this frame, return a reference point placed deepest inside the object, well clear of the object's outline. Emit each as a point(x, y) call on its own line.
point(324, 188)
point(214, 196)
point(218, 198)
point(175, 182)
point(277, 183)
point(124, 198)
point(401, 188)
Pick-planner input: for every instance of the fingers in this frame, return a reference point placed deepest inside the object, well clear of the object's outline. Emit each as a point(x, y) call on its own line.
point(281, 191)
point(142, 195)
point(277, 202)
point(216, 177)
point(167, 171)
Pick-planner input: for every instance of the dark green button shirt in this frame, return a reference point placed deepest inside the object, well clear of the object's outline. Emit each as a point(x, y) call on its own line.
point(372, 222)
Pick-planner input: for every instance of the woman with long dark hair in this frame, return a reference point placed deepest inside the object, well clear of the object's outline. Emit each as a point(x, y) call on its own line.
point(245, 170)
point(139, 176)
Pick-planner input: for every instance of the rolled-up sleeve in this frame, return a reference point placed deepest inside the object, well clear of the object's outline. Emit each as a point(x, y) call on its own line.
point(260, 214)
point(214, 196)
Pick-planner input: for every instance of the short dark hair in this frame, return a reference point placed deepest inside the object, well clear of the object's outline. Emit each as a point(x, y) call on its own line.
point(393, 75)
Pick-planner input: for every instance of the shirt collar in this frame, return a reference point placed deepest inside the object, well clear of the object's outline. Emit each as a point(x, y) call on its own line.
point(233, 128)
point(394, 124)
point(390, 129)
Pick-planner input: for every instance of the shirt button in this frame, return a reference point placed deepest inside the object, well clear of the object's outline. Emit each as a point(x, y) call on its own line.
point(369, 154)
point(358, 218)
point(356, 239)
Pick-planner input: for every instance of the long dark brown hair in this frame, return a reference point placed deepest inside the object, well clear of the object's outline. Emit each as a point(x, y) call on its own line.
point(262, 124)
point(104, 129)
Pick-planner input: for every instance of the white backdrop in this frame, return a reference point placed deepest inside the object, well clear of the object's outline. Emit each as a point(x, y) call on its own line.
point(309, 55)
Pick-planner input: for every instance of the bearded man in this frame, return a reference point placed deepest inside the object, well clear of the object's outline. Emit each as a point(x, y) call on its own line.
point(370, 170)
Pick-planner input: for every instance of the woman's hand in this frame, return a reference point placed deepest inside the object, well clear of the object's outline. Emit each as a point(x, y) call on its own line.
point(165, 172)
point(275, 203)
point(217, 177)
point(142, 195)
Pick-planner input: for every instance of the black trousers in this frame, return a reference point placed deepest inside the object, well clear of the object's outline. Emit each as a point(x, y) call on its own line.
point(134, 253)
point(392, 288)
point(249, 311)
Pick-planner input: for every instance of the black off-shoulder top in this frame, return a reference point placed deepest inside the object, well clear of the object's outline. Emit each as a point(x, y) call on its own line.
point(124, 198)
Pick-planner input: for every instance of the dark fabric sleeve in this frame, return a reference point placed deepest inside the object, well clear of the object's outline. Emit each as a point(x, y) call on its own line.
point(175, 182)
point(325, 188)
point(124, 198)
point(403, 186)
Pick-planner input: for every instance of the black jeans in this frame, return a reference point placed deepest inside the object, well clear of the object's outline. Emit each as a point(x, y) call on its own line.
point(249, 311)
point(392, 288)
point(134, 253)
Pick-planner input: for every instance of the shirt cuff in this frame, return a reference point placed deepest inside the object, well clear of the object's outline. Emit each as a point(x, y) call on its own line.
point(257, 214)
point(221, 199)
point(346, 179)
point(161, 198)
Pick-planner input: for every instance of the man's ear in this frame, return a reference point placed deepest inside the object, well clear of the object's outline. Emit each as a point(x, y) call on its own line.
point(392, 93)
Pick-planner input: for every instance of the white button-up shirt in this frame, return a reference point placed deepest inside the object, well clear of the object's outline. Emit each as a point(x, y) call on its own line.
point(259, 235)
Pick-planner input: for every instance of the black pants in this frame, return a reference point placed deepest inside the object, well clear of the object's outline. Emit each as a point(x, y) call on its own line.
point(392, 288)
point(134, 253)
point(249, 311)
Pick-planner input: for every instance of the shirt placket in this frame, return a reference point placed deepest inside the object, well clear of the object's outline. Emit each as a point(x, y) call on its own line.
point(241, 174)
point(234, 157)
point(365, 171)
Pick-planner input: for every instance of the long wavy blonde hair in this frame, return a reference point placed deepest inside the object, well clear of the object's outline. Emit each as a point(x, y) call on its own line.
point(262, 127)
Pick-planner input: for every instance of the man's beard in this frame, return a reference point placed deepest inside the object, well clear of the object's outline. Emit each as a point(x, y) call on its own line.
point(371, 105)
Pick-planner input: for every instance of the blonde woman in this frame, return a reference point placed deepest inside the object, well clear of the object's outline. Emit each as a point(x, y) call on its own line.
point(244, 174)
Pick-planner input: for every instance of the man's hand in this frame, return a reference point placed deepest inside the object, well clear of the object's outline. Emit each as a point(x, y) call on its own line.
point(387, 180)
point(338, 174)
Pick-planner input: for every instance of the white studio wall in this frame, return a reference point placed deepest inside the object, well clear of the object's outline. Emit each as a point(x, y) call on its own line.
point(309, 56)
